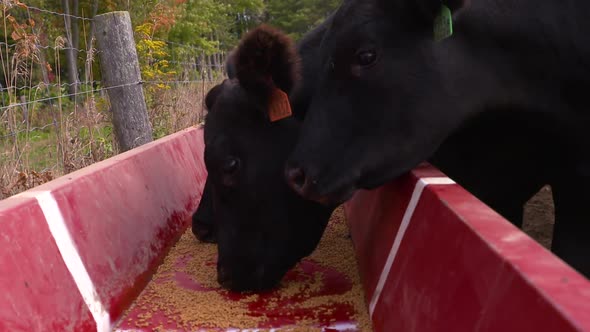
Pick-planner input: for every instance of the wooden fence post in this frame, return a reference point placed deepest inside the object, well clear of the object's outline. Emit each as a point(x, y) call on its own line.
point(121, 77)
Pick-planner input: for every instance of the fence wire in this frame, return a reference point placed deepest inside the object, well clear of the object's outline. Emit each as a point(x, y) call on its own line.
point(197, 62)
point(68, 95)
point(46, 11)
point(48, 121)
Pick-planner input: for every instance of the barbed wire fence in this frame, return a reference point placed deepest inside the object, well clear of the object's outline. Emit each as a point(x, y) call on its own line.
point(51, 125)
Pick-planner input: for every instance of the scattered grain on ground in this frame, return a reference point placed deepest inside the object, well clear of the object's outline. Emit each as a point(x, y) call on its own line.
point(185, 290)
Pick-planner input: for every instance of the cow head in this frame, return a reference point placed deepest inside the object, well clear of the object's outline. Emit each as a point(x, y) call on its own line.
point(382, 103)
point(262, 227)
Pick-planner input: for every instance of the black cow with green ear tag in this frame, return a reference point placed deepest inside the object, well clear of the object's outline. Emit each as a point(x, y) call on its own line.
point(399, 77)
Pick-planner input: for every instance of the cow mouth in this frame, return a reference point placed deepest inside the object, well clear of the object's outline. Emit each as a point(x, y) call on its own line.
point(330, 200)
point(205, 233)
point(333, 199)
point(310, 190)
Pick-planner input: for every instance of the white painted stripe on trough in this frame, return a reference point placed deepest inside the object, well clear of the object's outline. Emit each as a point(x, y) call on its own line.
point(71, 257)
point(420, 185)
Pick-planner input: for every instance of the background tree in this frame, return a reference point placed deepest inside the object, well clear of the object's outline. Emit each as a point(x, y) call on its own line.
point(298, 17)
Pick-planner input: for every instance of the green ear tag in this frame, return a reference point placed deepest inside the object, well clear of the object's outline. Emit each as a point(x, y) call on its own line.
point(443, 24)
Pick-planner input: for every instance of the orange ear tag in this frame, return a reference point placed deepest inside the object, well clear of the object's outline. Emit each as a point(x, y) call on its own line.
point(279, 106)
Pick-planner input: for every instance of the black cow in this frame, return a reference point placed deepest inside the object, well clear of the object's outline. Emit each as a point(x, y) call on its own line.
point(389, 95)
point(261, 226)
point(467, 154)
point(203, 220)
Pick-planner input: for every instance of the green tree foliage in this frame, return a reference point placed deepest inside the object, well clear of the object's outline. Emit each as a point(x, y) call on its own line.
point(205, 28)
point(212, 25)
point(298, 17)
point(152, 52)
point(199, 20)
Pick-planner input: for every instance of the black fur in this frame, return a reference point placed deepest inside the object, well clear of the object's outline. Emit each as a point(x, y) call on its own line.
point(518, 70)
point(262, 227)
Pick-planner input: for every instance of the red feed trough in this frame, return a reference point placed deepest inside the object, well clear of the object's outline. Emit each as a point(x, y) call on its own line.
point(77, 251)
point(434, 258)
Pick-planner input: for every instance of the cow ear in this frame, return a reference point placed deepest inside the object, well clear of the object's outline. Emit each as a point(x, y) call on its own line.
point(267, 58)
point(212, 95)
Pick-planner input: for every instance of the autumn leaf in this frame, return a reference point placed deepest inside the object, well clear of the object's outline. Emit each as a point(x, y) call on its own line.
point(15, 35)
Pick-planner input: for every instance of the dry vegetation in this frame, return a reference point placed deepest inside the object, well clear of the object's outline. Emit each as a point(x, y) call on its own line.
point(78, 136)
point(45, 132)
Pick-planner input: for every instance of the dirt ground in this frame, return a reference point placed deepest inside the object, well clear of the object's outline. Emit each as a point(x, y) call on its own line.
point(539, 217)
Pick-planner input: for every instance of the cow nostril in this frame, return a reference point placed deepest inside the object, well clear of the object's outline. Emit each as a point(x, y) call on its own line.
point(296, 178)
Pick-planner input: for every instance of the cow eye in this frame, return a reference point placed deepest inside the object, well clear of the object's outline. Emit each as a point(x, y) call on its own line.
point(231, 165)
point(366, 57)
